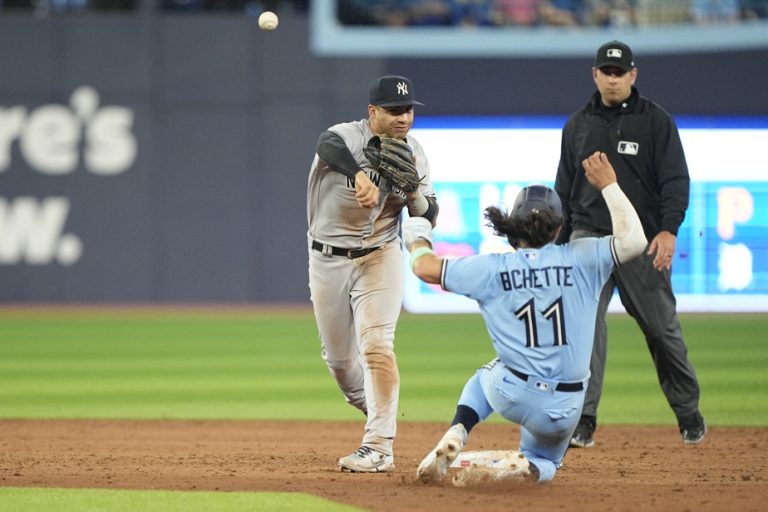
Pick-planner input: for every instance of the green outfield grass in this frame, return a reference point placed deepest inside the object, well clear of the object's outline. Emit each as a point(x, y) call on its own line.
point(79, 500)
point(267, 365)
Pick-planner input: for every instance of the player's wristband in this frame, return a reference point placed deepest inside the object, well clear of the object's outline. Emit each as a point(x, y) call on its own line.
point(418, 253)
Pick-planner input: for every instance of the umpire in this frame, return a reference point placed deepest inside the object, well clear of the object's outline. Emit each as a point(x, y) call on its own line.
point(643, 144)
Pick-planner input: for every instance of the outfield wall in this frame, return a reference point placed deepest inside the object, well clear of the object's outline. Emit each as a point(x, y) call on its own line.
point(164, 158)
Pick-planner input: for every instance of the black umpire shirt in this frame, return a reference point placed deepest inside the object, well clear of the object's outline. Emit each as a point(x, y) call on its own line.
point(643, 145)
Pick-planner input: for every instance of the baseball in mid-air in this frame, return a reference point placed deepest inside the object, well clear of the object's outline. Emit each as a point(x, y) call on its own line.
point(268, 20)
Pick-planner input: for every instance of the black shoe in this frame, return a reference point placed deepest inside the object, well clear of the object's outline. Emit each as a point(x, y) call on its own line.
point(692, 428)
point(582, 436)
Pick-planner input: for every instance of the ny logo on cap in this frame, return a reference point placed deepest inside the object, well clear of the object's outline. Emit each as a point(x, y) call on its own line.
point(402, 88)
point(613, 52)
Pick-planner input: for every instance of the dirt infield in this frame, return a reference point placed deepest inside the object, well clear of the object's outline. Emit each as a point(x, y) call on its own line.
point(632, 468)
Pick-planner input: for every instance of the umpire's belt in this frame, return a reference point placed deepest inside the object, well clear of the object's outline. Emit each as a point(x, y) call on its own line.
point(561, 386)
point(338, 251)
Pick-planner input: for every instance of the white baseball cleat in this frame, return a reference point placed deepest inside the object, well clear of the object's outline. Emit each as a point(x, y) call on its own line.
point(435, 465)
point(367, 460)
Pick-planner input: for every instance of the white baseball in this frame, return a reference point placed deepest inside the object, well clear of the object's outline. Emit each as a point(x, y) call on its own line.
point(268, 20)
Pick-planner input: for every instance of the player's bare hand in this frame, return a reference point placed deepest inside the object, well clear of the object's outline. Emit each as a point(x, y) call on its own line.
point(366, 192)
point(663, 245)
point(598, 170)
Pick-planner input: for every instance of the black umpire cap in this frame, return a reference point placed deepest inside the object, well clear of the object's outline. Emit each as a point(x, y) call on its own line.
point(534, 199)
point(615, 53)
point(393, 91)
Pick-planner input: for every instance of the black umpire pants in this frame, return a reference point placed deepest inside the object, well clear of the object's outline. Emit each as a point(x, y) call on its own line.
point(647, 296)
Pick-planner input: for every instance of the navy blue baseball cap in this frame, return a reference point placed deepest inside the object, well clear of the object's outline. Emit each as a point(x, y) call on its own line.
point(393, 91)
point(534, 199)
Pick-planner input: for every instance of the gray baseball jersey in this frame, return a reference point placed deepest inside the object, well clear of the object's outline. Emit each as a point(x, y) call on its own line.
point(333, 214)
point(357, 301)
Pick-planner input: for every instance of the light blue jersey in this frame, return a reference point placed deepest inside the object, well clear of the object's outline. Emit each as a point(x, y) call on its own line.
point(539, 305)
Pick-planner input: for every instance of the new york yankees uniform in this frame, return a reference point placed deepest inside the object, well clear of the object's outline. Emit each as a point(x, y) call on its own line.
point(357, 296)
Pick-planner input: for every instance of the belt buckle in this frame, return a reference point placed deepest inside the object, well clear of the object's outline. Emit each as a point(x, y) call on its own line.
point(355, 253)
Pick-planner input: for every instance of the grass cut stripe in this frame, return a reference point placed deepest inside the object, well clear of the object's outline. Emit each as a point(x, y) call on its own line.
point(13, 499)
point(267, 366)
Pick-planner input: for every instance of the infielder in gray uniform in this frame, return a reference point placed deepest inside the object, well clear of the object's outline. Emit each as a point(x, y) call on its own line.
point(356, 262)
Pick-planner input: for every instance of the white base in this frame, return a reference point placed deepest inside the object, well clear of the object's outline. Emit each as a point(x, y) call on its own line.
point(488, 466)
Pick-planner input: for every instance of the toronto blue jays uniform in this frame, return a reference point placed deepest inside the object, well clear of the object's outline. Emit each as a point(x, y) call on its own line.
point(539, 307)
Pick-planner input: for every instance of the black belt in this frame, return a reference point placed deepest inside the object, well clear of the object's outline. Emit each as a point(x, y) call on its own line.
point(563, 386)
point(338, 251)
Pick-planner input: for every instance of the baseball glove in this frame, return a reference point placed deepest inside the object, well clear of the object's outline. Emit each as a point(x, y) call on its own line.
point(393, 158)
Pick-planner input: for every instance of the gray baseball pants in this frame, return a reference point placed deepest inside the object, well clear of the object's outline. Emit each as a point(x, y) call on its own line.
point(357, 304)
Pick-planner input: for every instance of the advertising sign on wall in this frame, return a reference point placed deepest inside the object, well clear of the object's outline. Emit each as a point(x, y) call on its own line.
point(55, 140)
point(721, 260)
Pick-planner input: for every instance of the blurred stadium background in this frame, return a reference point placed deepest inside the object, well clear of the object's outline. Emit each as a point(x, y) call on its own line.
point(157, 151)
